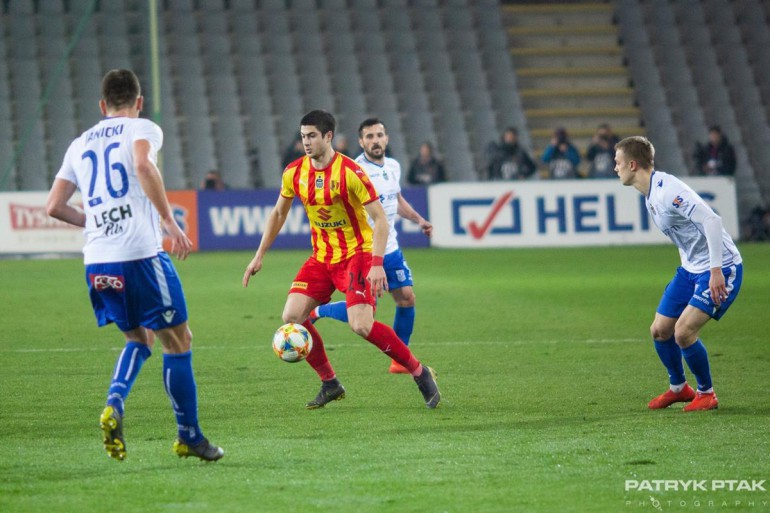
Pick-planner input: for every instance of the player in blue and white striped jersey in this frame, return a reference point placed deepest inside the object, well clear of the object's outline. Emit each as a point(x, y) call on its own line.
point(705, 284)
point(131, 280)
point(385, 174)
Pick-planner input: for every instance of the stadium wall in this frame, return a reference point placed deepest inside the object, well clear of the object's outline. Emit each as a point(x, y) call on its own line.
point(465, 215)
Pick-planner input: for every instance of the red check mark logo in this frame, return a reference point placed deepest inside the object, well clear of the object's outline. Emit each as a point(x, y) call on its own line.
point(477, 232)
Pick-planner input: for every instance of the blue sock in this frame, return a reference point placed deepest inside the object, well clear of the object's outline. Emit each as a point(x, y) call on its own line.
point(337, 310)
point(698, 360)
point(180, 387)
point(403, 323)
point(671, 356)
point(126, 370)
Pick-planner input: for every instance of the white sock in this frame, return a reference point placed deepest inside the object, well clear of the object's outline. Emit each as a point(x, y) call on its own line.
point(678, 388)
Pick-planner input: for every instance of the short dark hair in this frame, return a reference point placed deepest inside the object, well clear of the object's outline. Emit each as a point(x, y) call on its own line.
point(370, 122)
point(512, 129)
point(638, 148)
point(120, 88)
point(715, 128)
point(320, 119)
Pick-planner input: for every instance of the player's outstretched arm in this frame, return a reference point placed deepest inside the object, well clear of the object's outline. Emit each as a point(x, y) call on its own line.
point(151, 182)
point(275, 222)
point(58, 207)
point(406, 211)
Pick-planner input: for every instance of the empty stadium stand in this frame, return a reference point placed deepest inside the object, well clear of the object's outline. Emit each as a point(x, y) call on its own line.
point(237, 75)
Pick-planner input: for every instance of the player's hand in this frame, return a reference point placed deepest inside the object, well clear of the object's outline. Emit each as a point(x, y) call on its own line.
point(378, 280)
point(253, 268)
point(426, 227)
point(717, 286)
point(181, 245)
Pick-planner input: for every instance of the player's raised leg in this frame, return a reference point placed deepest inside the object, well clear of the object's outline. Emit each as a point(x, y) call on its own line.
point(127, 367)
point(381, 335)
point(337, 310)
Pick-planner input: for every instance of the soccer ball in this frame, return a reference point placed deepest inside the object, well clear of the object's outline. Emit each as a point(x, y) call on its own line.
point(292, 342)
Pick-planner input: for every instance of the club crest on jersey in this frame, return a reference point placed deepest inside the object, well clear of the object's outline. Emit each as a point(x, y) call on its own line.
point(334, 185)
point(319, 182)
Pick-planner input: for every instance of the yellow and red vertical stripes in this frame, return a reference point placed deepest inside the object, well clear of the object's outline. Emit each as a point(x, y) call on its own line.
point(334, 200)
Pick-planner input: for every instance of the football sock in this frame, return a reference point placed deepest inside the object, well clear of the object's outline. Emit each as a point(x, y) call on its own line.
point(126, 370)
point(677, 388)
point(388, 342)
point(671, 356)
point(337, 310)
point(698, 360)
point(180, 386)
point(317, 357)
point(403, 323)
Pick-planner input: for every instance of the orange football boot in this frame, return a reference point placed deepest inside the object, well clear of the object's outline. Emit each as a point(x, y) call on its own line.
point(703, 401)
point(668, 398)
point(397, 368)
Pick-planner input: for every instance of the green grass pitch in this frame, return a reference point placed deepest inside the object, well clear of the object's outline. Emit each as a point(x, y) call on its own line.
point(544, 360)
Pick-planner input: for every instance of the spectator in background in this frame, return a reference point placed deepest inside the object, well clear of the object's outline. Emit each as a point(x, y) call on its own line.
point(426, 168)
point(757, 226)
point(213, 181)
point(342, 145)
point(601, 153)
point(508, 160)
point(293, 152)
point(715, 158)
point(561, 156)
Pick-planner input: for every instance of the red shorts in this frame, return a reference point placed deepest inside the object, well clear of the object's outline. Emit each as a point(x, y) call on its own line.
point(319, 280)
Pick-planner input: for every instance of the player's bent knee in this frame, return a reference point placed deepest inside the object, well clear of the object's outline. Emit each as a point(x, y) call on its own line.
point(406, 302)
point(362, 329)
point(177, 339)
point(685, 335)
point(660, 332)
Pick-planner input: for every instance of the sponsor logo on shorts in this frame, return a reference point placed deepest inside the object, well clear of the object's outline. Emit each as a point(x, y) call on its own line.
point(299, 285)
point(102, 282)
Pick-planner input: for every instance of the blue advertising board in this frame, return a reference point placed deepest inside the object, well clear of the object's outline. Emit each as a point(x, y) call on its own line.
point(235, 220)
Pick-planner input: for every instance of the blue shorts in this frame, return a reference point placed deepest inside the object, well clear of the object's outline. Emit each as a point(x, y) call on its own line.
point(693, 289)
point(398, 273)
point(144, 293)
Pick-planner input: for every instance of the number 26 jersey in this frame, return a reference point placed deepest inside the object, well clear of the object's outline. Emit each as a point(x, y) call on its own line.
point(121, 222)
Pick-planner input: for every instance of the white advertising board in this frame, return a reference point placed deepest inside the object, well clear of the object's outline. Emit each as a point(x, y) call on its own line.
point(557, 213)
point(25, 227)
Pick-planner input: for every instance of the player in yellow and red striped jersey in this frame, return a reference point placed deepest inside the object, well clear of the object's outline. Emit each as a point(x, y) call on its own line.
point(332, 197)
point(347, 253)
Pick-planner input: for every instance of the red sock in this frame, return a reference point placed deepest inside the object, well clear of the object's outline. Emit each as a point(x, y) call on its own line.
point(317, 357)
point(388, 342)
